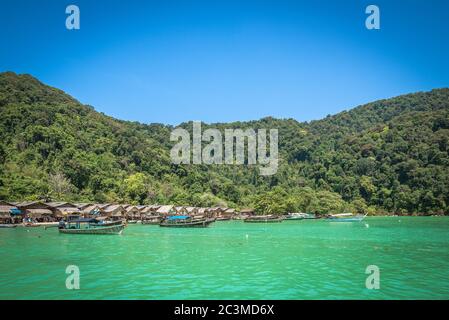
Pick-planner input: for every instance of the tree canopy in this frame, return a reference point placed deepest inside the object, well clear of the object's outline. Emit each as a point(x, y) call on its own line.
point(389, 156)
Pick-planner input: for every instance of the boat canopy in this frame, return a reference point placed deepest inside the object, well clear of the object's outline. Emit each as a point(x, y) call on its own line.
point(15, 211)
point(178, 217)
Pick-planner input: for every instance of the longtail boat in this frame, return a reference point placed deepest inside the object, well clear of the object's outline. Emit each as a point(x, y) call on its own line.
point(300, 216)
point(264, 219)
point(185, 222)
point(295, 216)
point(345, 217)
point(311, 216)
point(8, 225)
point(89, 226)
point(31, 225)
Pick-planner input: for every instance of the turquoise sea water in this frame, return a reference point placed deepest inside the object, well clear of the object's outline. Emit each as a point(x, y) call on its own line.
point(233, 260)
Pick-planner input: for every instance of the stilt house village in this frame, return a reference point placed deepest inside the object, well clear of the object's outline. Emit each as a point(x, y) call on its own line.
point(39, 212)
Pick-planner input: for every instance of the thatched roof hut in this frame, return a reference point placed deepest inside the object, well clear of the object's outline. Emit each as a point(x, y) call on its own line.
point(92, 209)
point(30, 205)
point(191, 210)
point(130, 208)
point(215, 211)
point(144, 209)
point(247, 211)
point(149, 211)
point(205, 212)
point(6, 207)
point(154, 208)
point(114, 210)
point(7, 211)
point(60, 204)
point(62, 209)
point(132, 211)
point(65, 211)
point(102, 206)
point(83, 206)
point(166, 210)
point(229, 213)
point(39, 213)
point(218, 210)
point(230, 210)
point(181, 210)
point(35, 209)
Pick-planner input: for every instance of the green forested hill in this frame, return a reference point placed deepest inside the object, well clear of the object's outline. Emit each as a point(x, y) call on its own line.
point(386, 156)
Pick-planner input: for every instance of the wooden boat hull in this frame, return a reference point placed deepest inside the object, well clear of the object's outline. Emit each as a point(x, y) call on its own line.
point(191, 224)
point(31, 225)
point(114, 229)
point(356, 218)
point(8, 225)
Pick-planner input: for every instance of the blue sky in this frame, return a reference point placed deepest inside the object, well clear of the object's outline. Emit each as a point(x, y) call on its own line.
point(218, 61)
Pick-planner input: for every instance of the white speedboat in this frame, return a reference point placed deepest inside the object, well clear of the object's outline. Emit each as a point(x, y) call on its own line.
point(346, 217)
point(295, 216)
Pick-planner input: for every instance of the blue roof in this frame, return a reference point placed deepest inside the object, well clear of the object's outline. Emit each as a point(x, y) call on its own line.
point(15, 211)
point(178, 217)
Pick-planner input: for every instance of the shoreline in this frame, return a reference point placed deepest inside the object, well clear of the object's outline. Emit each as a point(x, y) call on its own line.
point(54, 224)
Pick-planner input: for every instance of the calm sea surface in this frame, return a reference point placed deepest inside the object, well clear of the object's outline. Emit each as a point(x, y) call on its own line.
point(233, 260)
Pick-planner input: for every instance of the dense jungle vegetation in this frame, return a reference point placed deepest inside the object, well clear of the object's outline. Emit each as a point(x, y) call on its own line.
point(388, 156)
